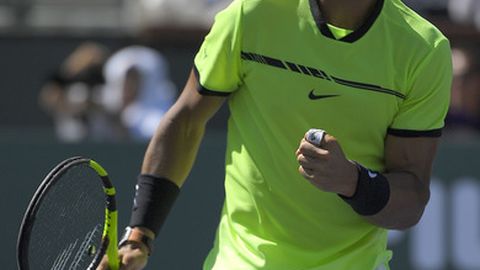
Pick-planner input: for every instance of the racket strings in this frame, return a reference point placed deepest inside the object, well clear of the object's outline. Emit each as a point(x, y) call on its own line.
point(69, 221)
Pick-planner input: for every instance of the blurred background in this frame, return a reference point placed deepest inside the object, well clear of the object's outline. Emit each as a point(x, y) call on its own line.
point(94, 77)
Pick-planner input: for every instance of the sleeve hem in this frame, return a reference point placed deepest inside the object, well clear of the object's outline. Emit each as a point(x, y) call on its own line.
point(205, 91)
point(415, 133)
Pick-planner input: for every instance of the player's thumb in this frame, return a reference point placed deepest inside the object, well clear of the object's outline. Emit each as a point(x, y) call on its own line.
point(329, 142)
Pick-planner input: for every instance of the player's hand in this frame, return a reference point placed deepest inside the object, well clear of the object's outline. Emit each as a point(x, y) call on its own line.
point(132, 256)
point(326, 166)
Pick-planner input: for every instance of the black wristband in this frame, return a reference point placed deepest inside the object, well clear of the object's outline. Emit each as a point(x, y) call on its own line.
point(154, 197)
point(372, 193)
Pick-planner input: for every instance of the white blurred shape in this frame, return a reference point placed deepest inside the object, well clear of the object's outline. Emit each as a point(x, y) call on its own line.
point(428, 239)
point(466, 224)
point(461, 10)
point(155, 96)
point(70, 129)
point(460, 62)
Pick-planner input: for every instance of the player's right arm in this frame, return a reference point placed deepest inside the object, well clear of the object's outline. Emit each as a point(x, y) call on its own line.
point(171, 153)
point(173, 148)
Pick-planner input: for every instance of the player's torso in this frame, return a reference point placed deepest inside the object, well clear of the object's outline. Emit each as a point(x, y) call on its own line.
point(294, 78)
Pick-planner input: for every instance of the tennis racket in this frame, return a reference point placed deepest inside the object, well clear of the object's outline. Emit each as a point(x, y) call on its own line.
point(71, 221)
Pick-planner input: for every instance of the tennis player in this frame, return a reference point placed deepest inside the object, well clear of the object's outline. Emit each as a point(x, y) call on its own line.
point(371, 73)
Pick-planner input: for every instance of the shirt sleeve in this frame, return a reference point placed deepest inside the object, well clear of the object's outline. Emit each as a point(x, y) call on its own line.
point(217, 63)
point(423, 111)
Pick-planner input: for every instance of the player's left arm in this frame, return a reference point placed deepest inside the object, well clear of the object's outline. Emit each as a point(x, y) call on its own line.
point(393, 199)
point(408, 163)
point(396, 197)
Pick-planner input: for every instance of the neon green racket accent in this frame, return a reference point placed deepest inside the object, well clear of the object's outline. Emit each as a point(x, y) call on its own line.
point(109, 191)
point(110, 227)
point(112, 250)
point(99, 169)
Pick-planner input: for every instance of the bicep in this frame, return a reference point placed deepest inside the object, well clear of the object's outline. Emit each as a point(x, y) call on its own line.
point(194, 107)
point(173, 148)
point(413, 155)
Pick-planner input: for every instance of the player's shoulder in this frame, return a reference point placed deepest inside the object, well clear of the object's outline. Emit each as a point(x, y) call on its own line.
point(412, 26)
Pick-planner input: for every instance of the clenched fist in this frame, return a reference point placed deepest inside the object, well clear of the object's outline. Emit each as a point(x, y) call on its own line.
point(326, 166)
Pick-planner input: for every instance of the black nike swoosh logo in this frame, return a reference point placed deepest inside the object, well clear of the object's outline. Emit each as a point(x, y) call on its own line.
point(312, 96)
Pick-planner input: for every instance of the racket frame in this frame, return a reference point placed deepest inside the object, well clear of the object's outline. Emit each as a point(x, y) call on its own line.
point(110, 226)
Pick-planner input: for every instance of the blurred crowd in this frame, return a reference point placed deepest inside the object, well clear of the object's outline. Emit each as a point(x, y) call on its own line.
point(464, 112)
point(108, 96)
point(100, 95)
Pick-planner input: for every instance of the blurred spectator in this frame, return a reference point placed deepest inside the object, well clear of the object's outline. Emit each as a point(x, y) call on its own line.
point(465, 11)
point(464, 114)
point(97, 97)
point(138, 89)
point(68, 95)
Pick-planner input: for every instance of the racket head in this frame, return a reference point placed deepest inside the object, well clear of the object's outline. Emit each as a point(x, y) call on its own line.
point(54, 234)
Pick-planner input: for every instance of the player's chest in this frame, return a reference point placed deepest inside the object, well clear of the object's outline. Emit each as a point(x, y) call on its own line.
point(357, 89)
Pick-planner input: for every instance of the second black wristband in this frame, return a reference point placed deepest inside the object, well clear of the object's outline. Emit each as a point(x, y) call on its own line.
point(372, 193)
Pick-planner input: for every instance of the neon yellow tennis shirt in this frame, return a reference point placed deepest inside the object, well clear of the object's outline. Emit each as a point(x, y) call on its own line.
point(285, 72)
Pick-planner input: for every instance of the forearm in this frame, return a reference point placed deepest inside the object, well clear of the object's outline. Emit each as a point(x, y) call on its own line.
point(395, 199)
point(408, 163)
point(170, 156)
point(408, 198)
point(173, 148)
